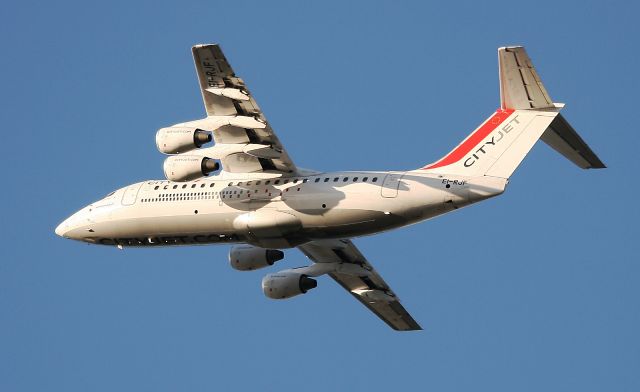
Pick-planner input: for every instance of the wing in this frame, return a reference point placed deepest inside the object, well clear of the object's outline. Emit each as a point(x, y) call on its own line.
point(245, 142)
point(370, 288)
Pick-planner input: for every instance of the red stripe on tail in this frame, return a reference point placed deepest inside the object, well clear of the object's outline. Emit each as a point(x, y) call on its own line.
point(472, 141)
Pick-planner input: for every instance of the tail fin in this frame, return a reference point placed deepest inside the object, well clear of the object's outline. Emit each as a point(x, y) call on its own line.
point(526, 114)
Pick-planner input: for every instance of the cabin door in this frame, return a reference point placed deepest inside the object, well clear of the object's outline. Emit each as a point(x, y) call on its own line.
point(390, 184)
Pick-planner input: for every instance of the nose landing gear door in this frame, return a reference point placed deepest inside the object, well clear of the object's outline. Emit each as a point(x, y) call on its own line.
point(130, 194)
point(390, 184)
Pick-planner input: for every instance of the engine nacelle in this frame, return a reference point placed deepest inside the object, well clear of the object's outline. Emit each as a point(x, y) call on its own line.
point(188, 167)
point(287, 284)
point(175, 140)
point(247, 257)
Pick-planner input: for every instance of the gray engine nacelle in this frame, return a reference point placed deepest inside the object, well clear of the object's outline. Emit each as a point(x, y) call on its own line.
point(248, 258)
point(175, 140)
point(188, 167)
point(287, 284)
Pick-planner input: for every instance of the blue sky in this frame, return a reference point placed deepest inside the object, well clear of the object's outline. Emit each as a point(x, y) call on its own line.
point(534, 290)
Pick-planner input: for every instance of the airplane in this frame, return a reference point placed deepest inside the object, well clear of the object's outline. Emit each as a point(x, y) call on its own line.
point(245, 190)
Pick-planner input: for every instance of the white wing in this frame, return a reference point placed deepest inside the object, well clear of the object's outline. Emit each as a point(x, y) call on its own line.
point(369, 288)
point(244, 140)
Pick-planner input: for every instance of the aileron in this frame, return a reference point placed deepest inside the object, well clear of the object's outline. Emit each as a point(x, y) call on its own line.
point(233, 116)
point(363, 282)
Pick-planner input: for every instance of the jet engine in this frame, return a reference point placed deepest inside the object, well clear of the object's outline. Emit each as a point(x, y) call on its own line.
point(287, 284)
point(247, 257)
point(188, 167)
point(175, 140)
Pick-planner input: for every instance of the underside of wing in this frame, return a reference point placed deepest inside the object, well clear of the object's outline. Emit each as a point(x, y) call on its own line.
point(364, 283)
point(244, 140)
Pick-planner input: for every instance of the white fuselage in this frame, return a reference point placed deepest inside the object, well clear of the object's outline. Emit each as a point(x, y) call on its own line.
point(272, 212)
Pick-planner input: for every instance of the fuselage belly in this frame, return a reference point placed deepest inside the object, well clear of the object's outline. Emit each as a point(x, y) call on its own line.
point(271, 212)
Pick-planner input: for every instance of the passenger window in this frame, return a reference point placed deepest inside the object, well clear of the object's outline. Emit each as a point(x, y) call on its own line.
point(374, 179)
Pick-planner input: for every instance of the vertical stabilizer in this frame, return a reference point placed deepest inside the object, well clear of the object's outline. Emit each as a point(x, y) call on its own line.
point(497, 147)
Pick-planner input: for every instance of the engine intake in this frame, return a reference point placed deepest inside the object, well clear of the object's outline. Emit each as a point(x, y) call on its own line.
point(287, 284)
point(248, 258)
point(175, 140)
point(188, 167)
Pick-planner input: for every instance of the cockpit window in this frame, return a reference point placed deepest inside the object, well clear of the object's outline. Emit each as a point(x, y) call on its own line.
point(110, 194)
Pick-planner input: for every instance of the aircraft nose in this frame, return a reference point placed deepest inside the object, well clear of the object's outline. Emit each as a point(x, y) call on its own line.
point(69, 227)
point(62, 228)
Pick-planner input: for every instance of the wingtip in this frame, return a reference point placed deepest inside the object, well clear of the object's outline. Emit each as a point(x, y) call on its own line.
point(197, 46)
point(510, 47)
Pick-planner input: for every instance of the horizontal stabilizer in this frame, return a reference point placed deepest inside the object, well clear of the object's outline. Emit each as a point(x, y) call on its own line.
point(564, 139)
point(520, 85)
